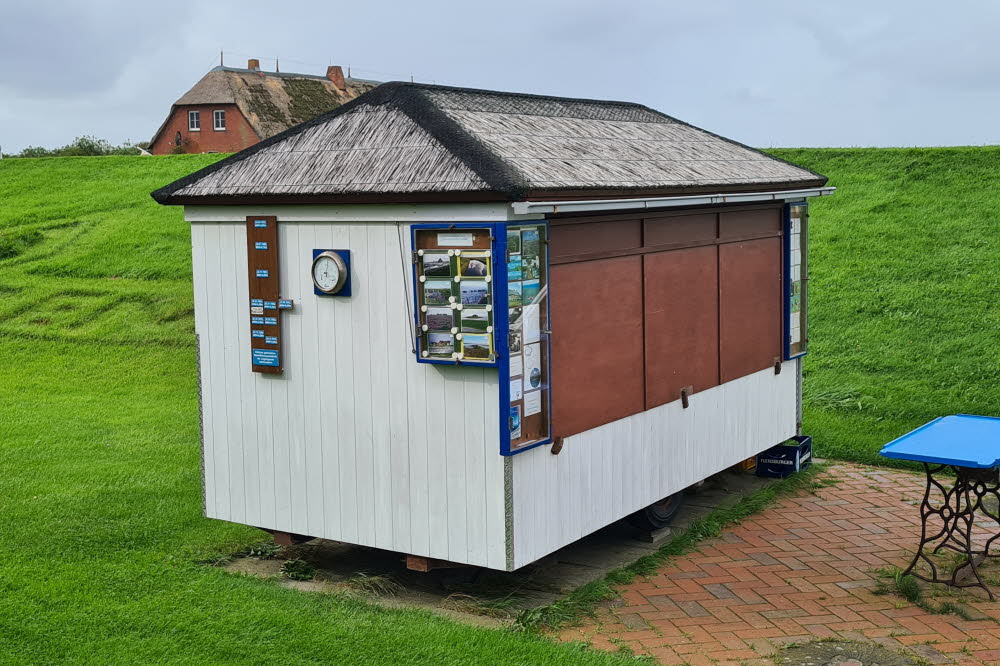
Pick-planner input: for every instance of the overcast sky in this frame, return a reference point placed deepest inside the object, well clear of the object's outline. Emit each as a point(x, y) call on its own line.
point(768, 73)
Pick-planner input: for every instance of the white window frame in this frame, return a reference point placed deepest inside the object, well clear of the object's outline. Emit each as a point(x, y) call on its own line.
point(217, 115)
point(194, 121)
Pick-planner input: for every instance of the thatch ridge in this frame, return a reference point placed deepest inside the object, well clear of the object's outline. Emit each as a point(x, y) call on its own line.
point(515, 143)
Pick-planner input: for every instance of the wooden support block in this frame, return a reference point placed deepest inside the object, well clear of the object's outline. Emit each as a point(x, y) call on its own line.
point(288, 539)
point(656, 536)
point(425, 564)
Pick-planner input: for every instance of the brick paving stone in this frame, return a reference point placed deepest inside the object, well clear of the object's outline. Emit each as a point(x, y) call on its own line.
point(800, 570)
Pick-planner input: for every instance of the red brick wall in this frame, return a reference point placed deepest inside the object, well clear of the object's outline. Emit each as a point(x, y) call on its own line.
point(237, 135)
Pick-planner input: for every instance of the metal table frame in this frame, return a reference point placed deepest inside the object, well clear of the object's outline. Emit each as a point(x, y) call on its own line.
point(969, 447)
point(957, 513)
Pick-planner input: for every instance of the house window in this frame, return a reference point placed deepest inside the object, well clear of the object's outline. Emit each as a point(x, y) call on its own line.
point(797, 280)
point(220, 120)
point(194, 121)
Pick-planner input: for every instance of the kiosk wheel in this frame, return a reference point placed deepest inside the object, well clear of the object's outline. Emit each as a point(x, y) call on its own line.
point(658, 514)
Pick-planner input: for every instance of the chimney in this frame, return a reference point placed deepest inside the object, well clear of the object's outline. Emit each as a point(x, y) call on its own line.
point(253, 64)
point(336, 74)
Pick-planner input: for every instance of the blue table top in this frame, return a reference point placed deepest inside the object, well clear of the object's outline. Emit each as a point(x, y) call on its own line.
point(962, 440)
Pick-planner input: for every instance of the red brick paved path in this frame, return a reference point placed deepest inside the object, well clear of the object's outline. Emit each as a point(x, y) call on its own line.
point(798, 571)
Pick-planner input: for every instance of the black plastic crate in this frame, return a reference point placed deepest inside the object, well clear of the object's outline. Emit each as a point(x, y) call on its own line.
point(786, 458)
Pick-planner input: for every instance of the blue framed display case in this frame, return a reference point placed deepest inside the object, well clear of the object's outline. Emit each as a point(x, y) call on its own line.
point(488, 283)
point(796, 279)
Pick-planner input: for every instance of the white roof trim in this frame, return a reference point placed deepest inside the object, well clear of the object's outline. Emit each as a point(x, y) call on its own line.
point(535, 207)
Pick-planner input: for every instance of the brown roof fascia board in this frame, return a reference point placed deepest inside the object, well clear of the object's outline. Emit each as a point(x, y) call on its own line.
point(362, 198)
point(626, 193)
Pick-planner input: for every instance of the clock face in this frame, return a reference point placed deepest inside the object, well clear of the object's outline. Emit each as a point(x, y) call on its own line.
point(329, 272)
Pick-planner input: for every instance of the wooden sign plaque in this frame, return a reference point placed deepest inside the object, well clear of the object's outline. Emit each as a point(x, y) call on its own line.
point(264, 281)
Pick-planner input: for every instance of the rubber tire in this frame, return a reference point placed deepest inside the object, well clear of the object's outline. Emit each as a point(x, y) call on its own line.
point(658, 515)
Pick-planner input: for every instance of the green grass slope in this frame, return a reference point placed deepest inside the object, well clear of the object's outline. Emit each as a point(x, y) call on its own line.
point(905, 270)
point(101, 531)
point(100, 506)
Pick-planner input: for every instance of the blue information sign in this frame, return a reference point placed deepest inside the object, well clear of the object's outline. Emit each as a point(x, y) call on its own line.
point(271, 340)
point(270, 305)
point(260, 224)
point(256, 320)
point(260, 245)
point(270, 321)
point(257, 333)
point(256, 302)
point(265, 357)
point(285, 304)
point(263, 273)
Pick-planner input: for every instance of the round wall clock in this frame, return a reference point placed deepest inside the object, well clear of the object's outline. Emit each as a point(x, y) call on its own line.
point(329, 272)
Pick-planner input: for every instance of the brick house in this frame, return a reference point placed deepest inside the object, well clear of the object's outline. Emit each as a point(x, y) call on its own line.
point(231, 108)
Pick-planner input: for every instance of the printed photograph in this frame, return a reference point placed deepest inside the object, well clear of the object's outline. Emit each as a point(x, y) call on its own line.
point(475, 320)
point(514, 341)
point(439, 319)
point(514, 316)
point(532, 367)
point(529, 267)
point(475, 292)
point(529, 291)
point(437, 264)
point(535, 377)
point(515, 422)
point(474, 265)
point(514, 294)
point(530, 243)
point(513, 242)
point(514, 267)
point(476, 347)
point(436, 292)
point(440, 344)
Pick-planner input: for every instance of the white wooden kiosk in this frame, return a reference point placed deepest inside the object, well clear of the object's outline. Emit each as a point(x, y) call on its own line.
point(632, 293)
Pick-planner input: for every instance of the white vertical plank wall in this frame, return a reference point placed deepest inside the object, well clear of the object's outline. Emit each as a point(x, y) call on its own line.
point(611, 471)
point(355, 441)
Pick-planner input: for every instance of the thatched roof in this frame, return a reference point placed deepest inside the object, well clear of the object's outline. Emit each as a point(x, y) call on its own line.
point(403, 140)
point(272, 102)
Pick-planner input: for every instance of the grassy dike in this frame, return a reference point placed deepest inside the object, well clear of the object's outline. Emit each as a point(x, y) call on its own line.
point(101, 531)
point(100, 502)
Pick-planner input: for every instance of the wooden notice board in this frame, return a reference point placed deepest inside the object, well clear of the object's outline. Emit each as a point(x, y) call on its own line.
point(264, 281)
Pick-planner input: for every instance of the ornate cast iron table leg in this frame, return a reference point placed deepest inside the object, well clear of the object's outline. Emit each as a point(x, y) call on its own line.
point(956, 513)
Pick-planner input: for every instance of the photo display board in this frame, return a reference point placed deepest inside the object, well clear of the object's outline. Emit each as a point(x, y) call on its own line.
point(797, 280)
point(454, 270)
point(481, 296)
point(528, 337)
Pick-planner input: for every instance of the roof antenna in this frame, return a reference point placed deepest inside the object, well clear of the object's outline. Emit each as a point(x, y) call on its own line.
point(276, 68)
point(221, 64)
point(411, 78)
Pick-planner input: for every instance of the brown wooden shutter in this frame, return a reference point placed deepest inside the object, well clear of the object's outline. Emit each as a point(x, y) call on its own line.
point(597, 345)
point(682, 322)
point(749, 306)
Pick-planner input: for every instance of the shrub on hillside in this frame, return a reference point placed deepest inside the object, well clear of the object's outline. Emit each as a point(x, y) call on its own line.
point(84, 146)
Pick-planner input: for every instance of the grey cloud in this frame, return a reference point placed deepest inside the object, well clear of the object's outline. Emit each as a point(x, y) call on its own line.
point(769, 72)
